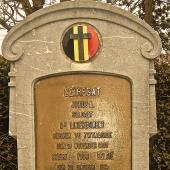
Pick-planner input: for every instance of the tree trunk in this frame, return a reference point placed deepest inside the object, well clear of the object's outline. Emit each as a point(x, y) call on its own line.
point(148, 11)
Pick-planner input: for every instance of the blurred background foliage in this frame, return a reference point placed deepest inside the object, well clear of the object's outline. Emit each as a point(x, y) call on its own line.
point(8, 147)
point(160, 143)
point(156, 14)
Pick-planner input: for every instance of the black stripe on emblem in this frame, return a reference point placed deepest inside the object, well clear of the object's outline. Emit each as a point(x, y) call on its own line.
point(68, 44)
point(80, 43)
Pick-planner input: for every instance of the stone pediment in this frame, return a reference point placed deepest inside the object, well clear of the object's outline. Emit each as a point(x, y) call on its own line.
point(76, 10)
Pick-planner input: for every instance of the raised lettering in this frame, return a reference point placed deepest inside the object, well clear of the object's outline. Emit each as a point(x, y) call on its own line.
point(82, 114)
point(59, 156)
point(83, 156)
point(62, 135)
point(85, 145)
point(105, 155)
point(97, 134)
point(85, 167)
point(82, 104)
point(64, 145)
point(87, 125)
point(82, 91)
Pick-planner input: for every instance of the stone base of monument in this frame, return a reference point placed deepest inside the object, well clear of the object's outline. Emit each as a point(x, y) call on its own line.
point(82, 88)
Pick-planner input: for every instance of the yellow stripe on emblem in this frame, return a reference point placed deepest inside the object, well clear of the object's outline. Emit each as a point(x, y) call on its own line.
point(85, 44)
point(76, 48)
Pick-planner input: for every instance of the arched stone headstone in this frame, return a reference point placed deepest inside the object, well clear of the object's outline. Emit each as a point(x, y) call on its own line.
point(82, 88)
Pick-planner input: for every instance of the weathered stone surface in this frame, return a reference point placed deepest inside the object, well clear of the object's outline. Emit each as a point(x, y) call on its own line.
point(35, 51)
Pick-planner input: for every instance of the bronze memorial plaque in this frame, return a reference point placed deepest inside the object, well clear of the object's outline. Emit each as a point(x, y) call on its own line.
point(83, 122)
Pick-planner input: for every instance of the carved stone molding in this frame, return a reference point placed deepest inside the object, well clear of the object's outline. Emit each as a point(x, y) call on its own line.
point(12, 109)
point(77, 10)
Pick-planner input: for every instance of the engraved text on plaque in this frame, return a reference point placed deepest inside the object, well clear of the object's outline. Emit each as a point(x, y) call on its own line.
point(83, 122)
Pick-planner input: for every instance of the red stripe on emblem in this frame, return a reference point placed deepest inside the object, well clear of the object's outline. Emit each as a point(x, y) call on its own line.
point(93, 43)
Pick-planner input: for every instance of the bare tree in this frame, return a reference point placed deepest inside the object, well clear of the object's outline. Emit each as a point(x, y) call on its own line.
point(13, 11)
point(9, 14)
point(30, 8)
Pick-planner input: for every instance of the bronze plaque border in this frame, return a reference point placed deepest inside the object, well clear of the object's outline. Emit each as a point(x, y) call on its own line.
point(79, 73)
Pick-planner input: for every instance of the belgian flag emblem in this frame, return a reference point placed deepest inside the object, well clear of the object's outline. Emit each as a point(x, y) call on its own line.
point(81, 42)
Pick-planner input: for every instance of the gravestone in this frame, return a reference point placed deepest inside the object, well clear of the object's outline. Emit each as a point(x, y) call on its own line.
point(82, 88)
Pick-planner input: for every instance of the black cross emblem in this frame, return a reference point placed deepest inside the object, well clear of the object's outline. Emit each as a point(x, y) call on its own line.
point(80, 36)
